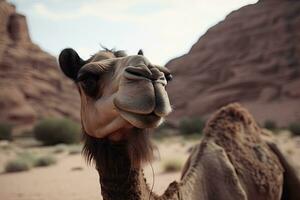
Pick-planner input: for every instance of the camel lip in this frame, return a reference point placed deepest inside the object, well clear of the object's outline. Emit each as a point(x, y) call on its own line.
point(135, 113)
point(132, 76)
point(141, 112)
point(140, 120)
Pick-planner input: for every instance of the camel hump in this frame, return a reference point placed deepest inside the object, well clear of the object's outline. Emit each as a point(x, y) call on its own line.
point(235, 130)
point(232, 119)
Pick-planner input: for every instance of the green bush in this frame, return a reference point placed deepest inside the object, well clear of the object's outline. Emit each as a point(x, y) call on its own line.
point(172, 165)
point(27, 156)
point(5, 131)
point(75, 150)
point(295, 128)
point(45, 161)
point(60, 148)
point(26, 160)
point(55, 131)
point(189, 126)
point(17, 165)
point(271, 125)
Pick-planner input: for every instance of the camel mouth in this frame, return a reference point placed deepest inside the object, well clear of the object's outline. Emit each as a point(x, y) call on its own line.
point(139, 120)
point(133, 75)
point(142, 97)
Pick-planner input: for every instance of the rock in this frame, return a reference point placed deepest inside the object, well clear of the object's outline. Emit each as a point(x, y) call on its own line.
point(252, 57)
point(17, 28)
point(32, 86)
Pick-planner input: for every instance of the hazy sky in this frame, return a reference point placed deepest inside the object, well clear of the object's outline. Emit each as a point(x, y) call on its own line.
point(164, 29)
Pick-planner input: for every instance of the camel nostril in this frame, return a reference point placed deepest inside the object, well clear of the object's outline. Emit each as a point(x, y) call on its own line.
point(134, 72)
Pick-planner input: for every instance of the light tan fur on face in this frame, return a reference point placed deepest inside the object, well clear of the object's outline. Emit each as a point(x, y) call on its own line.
point(125, 99)
point(98, 117)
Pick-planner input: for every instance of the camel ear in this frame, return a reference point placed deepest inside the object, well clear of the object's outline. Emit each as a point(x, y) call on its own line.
point(70, 63)
point(141, 52)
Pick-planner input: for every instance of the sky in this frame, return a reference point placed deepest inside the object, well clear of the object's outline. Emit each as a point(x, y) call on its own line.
point(164, 29)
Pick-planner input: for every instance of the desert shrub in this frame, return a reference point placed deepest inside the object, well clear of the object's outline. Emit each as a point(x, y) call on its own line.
point(192, 137)
point(26, 160)
point(172, 165)
point(17, 165)
point(5, 131)
point(55, 131)
point(44, 161)
point(191, 125)
point(271, 125)
point(75, 150)
point(27, 156)
point(23, 162)
point(60, 148)
point(295, 128)
point(76, 168)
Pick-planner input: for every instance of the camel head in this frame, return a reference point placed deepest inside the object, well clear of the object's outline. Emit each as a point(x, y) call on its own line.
point(118, 92)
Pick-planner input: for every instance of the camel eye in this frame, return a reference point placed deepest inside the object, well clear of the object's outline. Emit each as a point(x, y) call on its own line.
point(169, 77)
point(89, 83)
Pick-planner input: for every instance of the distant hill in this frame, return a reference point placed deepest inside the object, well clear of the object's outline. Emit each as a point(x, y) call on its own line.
point(252, 57)
point(31, 84)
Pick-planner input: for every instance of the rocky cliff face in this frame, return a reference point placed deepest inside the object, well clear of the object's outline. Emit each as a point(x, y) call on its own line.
point(252, 57)
point(31, 84)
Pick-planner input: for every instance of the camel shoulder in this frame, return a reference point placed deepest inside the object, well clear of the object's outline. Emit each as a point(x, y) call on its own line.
point(210, 174)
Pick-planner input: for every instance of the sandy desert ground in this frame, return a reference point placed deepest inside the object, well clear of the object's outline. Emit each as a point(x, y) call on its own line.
point(72, 179)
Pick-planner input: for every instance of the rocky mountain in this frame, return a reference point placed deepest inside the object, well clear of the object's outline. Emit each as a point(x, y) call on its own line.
point(31, 84)
point(252, 57)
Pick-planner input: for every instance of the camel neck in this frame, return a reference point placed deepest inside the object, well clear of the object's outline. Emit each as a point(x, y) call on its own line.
point(125, 185)
point(118, 179)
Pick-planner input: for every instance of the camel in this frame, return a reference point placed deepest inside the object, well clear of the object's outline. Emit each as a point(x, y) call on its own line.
point(122, 97)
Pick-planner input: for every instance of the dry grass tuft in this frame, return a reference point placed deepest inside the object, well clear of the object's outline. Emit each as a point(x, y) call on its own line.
point(17, 165)
point(44, 161)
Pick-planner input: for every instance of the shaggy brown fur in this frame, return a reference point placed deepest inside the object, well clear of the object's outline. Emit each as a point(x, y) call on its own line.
point(118, 179)
point(138, 147)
